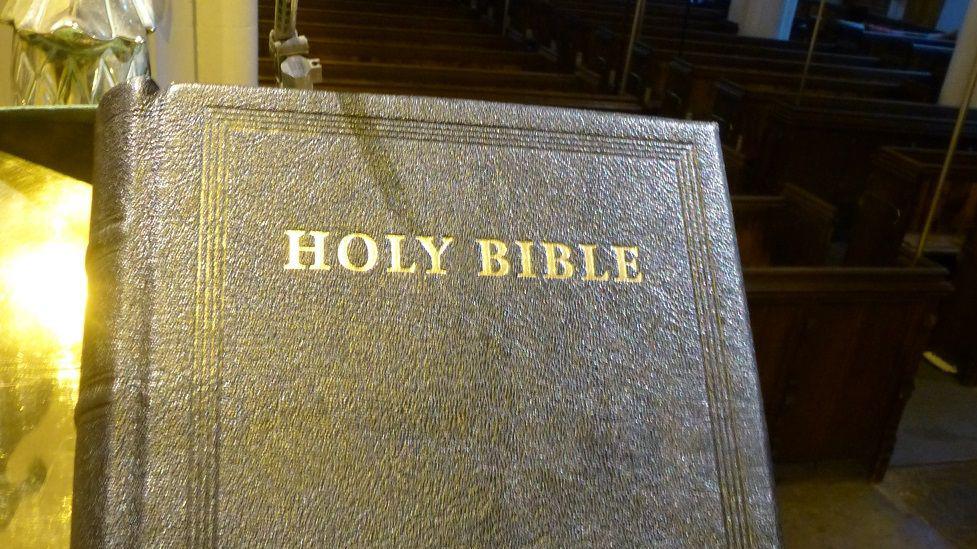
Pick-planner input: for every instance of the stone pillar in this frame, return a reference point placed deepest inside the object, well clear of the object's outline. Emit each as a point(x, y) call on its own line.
point(172, 46)
point(6, 63)
point(737, 9)
point(962, 62)
point(210, 41)
point(227, 41)
point(768, 18)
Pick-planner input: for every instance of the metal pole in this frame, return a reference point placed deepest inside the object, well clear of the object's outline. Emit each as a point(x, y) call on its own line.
point(505, 17)
point(639, 9)
point(289, 49)
point(285, 18)
point(947, 161)
point(810, 49)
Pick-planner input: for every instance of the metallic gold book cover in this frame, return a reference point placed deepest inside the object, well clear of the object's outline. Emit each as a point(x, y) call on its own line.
point(337, 319)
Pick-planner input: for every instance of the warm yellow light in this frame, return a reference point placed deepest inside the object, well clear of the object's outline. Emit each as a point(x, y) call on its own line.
point(46, 288)
point(43, 236)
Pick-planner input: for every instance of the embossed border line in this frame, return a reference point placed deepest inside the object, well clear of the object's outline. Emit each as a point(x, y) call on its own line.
point(210, 286)
point(207, 338)
point(719, 385)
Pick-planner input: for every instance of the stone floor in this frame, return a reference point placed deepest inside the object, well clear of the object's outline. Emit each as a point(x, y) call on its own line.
point(928, 498)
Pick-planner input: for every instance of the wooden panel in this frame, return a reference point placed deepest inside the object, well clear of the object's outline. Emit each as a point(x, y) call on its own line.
point(837, 349)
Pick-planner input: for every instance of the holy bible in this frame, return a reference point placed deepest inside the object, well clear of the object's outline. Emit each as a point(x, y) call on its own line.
point(337, 319)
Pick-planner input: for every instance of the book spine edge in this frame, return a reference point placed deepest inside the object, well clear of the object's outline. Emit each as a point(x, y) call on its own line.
point(106, 506)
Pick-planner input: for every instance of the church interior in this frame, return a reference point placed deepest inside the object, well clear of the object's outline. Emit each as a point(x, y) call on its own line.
point(851, 160)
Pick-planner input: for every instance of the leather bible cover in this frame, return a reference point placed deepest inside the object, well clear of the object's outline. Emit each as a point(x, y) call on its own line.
point(336, 319)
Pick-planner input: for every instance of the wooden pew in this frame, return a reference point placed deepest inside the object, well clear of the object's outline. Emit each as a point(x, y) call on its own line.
point(574, 41)
point(358, 18)
point(897, 198)
point(935, 59)
point(896, 203)
point(541, 26)
point(690, 90)
point(791, 229)
point(593, 36)
point(734, 47)
point(654, 52)
point(655, 79)
point(837, 347)
point(312, 10)
point(376, 51)
point(826, 147)
point(655, 17)
point(315, 30)
point(742, 110)
point(580, 100)
point(405, 21)
point(597, 43)
point(738, 174)
point(652, 55)
point(363, 48)
point(336, 71)
point(893, 49)
point(598, 10)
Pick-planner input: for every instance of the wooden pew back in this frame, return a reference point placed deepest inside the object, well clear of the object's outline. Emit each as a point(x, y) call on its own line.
point(837, 349)
point(788, 230)
point(690, 90)
point(828, 150)
point(897, 198)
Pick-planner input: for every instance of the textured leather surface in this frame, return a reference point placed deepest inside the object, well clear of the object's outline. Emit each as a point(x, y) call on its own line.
point(255, 405)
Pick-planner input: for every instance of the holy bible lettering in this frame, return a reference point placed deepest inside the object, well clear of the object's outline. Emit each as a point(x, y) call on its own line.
point(307, 250)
